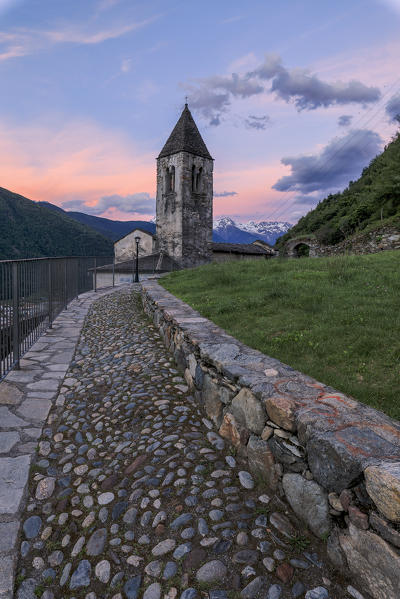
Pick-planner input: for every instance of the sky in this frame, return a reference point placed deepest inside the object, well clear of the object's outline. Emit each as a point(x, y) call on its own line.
point(293, 98)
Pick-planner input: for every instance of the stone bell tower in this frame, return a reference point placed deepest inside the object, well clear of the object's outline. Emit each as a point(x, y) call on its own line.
point(185, 195)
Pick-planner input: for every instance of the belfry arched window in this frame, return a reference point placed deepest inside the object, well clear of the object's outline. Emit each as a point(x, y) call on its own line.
point(170, 179)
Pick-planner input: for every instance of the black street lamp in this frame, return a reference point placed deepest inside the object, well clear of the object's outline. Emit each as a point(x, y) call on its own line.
point(136, 280)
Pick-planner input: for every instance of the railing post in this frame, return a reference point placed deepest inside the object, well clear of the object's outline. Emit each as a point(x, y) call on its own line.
point(50, 291)
point(114, 271)
point(15, 304)
point(65, 285)
point(77, 277)
point(95, 274)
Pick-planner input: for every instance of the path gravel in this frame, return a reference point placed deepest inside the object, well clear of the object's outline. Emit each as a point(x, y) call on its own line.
point(130, 495)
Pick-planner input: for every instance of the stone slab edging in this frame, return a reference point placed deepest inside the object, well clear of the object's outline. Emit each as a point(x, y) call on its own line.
point(335, 460)
point(26, 396)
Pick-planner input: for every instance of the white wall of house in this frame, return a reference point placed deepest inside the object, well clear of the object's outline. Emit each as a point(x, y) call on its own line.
point(125, 248)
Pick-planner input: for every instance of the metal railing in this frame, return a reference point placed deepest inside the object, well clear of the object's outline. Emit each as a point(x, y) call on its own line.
point(32, 293)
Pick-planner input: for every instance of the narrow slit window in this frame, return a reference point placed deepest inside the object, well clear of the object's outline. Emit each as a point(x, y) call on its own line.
point(199, 179)
point(193, 178)
point(166, 180)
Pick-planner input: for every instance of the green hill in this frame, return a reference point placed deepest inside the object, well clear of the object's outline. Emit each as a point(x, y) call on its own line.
point(370, 202)
point(28, 230)
point(113, 229)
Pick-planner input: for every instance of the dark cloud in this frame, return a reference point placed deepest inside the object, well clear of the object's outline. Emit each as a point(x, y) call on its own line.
point(224, 194)
point(140, 203)
point(345, 120)
point(307, 91)
point(271, 67)
point(210, 103)
point(215, 121)
point(393, 107)
point(257, 122)
point(340, 161)
point(212, 96)
point(237, 85)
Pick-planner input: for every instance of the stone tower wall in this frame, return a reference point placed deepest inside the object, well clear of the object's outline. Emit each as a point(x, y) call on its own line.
point(169, 208)
point(184, 215)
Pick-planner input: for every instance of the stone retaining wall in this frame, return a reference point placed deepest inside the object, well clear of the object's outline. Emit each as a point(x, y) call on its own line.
point(385, 238)
point(335, 460)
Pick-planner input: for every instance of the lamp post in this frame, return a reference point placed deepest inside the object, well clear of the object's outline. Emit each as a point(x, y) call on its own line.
point(136, 280)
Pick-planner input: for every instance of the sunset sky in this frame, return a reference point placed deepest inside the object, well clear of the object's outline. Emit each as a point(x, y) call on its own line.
point(293, 98)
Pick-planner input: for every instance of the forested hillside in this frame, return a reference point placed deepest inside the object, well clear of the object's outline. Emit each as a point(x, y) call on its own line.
point(28, 230)
point(113, 229)
point(371, 201)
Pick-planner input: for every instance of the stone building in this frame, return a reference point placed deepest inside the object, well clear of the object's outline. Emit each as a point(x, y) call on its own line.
point(184, 221)
point(224, 252)
point(185, 195)
point(125, 248)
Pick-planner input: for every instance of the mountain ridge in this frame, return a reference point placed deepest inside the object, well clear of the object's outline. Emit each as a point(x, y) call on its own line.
point(113, 229)
point(225, 229)
point(28, 230)
point(31, 229)
point(235, 232)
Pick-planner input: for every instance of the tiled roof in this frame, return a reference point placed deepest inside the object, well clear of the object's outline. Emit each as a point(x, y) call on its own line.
point(239, 248)
point(147, 264)
point(135, 229)
point(185, 137)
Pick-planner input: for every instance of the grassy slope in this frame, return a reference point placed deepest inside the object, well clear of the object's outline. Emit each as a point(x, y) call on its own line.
point(336, 319)
point(31, 231)
point(370, 202)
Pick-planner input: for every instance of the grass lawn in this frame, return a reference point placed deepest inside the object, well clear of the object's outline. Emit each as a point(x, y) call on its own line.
point(336, 319)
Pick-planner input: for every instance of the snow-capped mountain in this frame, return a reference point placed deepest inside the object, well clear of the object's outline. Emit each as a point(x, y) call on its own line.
point(234, 232)
point(265, 227)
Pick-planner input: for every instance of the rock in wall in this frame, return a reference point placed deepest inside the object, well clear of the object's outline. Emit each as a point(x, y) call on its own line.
point(335, 460)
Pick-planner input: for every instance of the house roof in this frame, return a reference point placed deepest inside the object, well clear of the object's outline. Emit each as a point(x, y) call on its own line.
point(185, 137)
point(149, 263)
point(266, 246)
point(135, 229)
point(239, 248)
point(263, 243)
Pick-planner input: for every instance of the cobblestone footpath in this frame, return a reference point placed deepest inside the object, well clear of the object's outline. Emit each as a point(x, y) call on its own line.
point(26, 397)
point(132, 493)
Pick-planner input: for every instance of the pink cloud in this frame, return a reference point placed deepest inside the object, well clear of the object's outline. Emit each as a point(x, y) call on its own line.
point(23, 42)
point(75, 35)
point(82, 161)
point(79, 160)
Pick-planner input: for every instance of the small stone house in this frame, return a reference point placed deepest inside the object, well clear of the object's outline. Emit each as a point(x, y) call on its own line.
point(125, 248)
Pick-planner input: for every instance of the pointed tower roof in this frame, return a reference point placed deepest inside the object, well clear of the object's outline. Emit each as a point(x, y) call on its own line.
point(185, 137)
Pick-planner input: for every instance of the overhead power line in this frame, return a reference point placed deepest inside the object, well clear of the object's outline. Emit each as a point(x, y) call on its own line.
point(287, 197)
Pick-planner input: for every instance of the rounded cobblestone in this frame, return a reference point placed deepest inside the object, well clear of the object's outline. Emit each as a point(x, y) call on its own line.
point(134, 494)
